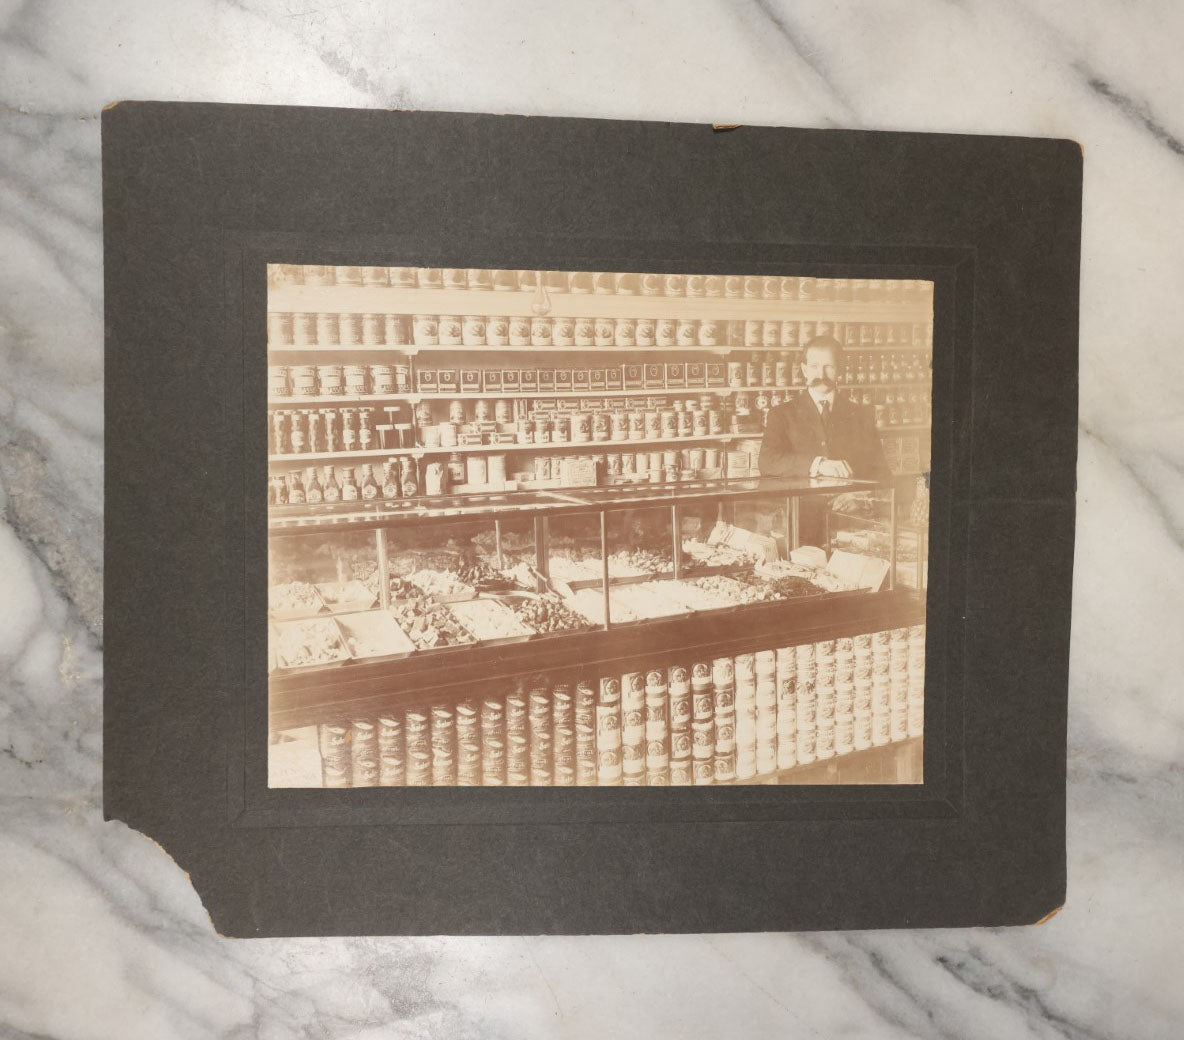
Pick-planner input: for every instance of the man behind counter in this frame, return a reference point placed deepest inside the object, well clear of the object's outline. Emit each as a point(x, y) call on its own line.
point(821, 433)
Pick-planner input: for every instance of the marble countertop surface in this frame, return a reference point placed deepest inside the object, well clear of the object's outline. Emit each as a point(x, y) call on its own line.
point(100, 933)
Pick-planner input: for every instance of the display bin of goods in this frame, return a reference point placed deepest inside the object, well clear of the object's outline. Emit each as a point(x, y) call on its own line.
point(311, 643)
point(490, 620)
point(444, 586)
point(342, 597)
point(544, 613)
point(430, 625)
point(294, 599)
point(373, 634)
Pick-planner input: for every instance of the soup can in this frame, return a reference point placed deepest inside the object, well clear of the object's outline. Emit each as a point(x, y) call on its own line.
point(425, 329)
point(685, 425)
point(278, 384)
point(540, 332)
point(699, 423)
point(619, 426)
point(348, 275)
point(600, 426)
point(497, 330)
point(404, 277)
point(711, 333)
point(581, 427)
point(373, 329)
point(382, 379)
point(496, 469)
point(645, 332)
point(687, 332)
point(625, 332)
point(636, 425)
point(668, 423)
point(674, 285)
point(560, 427)
point(304, 330)
point(479, 278)
point(451, 331)
point(355, 379)
point(666, 332)
point(653, 425)
point(584, 332)
point(331, 380)
point(542, 467)
point(628, 463)
point(605, 332)
point(304, 380)
point(736, 376)
point(394, 330)
point(563, 333)
point(651, 284)
point(472, 330)
point(279, 329)
point(519, 332)
point(502, 411)
point(316, 274)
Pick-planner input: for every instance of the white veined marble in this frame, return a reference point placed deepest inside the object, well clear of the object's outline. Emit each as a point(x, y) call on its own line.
point(101, 935)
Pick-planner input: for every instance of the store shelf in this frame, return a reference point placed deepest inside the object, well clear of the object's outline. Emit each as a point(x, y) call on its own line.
point(579, 447)
point(391, 300)
point(411, 349)
point(675, 391)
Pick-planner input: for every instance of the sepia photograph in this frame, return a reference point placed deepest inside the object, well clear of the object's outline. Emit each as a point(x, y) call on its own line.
point(595, 528)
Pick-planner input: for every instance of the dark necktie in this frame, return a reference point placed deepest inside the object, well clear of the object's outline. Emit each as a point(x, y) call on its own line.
point(825, 410)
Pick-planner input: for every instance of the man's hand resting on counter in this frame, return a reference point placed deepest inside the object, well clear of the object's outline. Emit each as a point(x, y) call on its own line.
point(834, 468)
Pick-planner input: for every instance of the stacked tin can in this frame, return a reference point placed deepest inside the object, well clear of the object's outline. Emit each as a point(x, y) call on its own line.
point(745, 672)
point(702, 724)
point(633, 750)
point(723, 681)
point(681, 771)
point(517, 741)
point(766, 711)
point(916, 684)
point(493, 742)
point(787, 706)
point(740, 718)
point(608, 733)
point(806, 704)
point(392, 754)
point(657, 729)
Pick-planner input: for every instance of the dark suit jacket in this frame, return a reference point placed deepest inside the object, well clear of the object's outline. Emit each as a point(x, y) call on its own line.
point(794, 438)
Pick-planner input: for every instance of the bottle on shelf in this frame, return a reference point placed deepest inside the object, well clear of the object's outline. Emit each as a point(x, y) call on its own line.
point(313, 493)
point(365, 432)
point(349, 436)
point(331, 489)
point(295, 489)
point(390, 479)
point(297, 436)
point(349, 486)
point(369, 486)
point(409, 477)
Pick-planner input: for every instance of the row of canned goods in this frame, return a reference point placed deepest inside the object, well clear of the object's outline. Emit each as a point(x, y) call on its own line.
point(736, 719)
point(337, 380)
point(328, 329)
point(613, 283)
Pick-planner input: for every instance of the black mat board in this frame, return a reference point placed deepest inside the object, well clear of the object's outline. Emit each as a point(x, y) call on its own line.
point(199, 198)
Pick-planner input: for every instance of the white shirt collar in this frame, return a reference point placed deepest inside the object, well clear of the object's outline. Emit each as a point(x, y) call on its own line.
point(819, 395)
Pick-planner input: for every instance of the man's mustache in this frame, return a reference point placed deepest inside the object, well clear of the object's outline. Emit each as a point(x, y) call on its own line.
point(823, 381)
